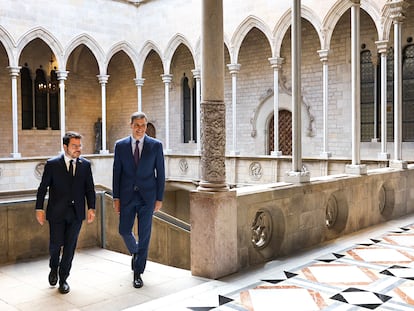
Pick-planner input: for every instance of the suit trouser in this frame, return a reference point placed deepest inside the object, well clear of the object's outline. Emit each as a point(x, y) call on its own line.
point(139, 209)
point(64, 234)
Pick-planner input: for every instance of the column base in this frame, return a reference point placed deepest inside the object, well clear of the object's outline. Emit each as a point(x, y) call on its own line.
point(356, 169)
point(383, 156)
point(276, 153)
point(325, 154)
point(297, 177)
point(234, 153)
point(213, 234)
point(103, 151)
point(206, 186)
point(398, 164)
point(16, 155)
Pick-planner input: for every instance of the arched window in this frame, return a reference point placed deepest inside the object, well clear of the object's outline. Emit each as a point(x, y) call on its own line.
point(390, 94)
point(27, 98)
point(369, 103)
point(408, 94)
point(189, 111)
point(40, 100)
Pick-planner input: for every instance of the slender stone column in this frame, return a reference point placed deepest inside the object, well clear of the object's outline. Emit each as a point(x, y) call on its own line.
point(355, 167)
point(103, 80)
point(197, 77)
point(213, 209)
point(14, 73)
point(397, 8)
point(234, 70)
point(276, 63)
point(213, 110)
point(62, 76)
point(139, 82)
point(323, 55)
point(375, 101)
point(297, 175)
point(382, 50)
point(167, 78)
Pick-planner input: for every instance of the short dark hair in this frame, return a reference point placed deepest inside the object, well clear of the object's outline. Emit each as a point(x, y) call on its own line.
point(138, 115)
point(69, 135)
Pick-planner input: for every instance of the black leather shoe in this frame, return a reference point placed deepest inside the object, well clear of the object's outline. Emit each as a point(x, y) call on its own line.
point(64, 288)
point(138, 282)
point(53, 277)
point(133, 260)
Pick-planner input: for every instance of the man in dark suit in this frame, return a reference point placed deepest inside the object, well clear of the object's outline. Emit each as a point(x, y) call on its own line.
point(69, 180)
point(138, 189)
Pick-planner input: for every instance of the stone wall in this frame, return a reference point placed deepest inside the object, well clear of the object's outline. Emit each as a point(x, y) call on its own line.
point(303, 216)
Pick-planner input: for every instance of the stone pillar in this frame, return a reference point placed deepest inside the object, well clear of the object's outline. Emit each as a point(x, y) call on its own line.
point(139, 82)
point(103, 80)
point(14, 73)
point(297, 175)
point(397, 9)
point(167, 78)
point(213, 209)
point(197, 77)
point(62, 76)
point(234, 70)
point(382, 50)
point(276, 63)
point(355, 167)
point(323, 55)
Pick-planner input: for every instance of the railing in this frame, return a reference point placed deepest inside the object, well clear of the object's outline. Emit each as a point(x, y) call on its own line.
point(21, 237)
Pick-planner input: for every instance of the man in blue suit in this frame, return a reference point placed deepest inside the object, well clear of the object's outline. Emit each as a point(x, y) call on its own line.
point(138, 189)
point(69, 180)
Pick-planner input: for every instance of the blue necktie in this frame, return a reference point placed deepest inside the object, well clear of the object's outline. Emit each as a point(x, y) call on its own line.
point(136, 153)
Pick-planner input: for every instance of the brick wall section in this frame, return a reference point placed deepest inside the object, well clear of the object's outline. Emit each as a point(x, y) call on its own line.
point(6, 132)
point(122, 98)
point(153, 102)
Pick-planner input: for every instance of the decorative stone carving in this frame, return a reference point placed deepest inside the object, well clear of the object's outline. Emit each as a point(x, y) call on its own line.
point(255, 170)
point(183, 165)
point(331, 212)
point(262, 228)
point(38, 172)
point(213, 138)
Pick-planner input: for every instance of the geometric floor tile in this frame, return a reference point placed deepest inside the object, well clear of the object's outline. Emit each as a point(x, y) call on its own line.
point(291, 298)
point(400, 272)
point(361, 298)
point(330, 257)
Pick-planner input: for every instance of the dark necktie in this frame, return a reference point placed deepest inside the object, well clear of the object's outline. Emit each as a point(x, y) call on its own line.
point(136, 153)
point(71, 168)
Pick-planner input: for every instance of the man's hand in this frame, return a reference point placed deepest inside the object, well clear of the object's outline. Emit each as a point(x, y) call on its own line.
point(158, 205)
point(91, 215)
point(40, 216)
point(117, 206)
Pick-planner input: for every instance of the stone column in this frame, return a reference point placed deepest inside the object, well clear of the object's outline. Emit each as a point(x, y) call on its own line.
point(103, 80)
point(167, 78)
point(234, 70)
point(213, 209)
point(397, 9)
point(139, 82)
point(276, 63)
point(323, 55)
point(197, 77)
point(14, 73)
point(382, 49)
point(375, 101)
point(297, 175)
point(355, 167)
point(62, 76)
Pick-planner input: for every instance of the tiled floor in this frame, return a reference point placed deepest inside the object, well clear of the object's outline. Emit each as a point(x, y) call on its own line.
point(370, 270)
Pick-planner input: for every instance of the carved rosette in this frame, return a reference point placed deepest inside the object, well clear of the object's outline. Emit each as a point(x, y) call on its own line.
point(213, 143)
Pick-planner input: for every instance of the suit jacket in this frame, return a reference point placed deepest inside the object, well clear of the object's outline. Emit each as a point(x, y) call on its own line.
point(57, 179)
point(148, 178)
